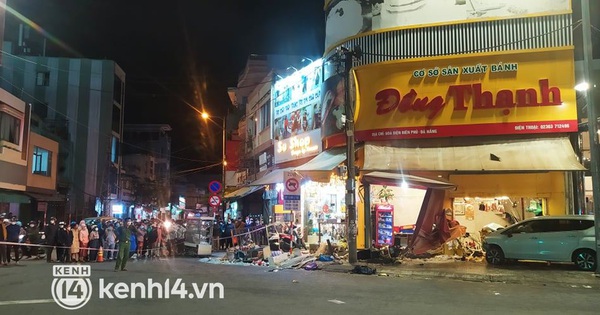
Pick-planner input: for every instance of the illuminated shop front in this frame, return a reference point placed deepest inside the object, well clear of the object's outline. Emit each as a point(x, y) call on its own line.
point(308, 193)
point(324, 210)
point(493, 116)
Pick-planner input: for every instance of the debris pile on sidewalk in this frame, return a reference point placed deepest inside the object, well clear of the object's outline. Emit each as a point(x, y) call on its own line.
point(253, 255)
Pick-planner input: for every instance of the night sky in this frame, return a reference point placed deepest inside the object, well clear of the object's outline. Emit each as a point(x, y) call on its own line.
point(172, 50)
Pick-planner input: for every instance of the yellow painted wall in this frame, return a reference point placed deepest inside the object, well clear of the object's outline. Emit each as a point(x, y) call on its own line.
point(360, 224)
point(549, 185)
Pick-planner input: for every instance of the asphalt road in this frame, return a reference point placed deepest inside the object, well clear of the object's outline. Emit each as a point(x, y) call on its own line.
point(26, 289)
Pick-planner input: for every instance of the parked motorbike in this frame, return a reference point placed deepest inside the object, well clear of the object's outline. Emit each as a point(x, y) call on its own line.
point(280, 240)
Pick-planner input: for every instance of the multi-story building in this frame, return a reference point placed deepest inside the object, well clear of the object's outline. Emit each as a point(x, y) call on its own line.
point(80, 101)
point(14, 130)
point(253, 102)
point(29, 164)
point(147, 159)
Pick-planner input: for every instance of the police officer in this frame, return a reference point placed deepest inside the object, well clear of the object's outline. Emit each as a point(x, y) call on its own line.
point(124, 235)
point(50, 233)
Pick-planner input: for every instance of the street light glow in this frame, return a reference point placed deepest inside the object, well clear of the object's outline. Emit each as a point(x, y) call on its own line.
point(204, 115)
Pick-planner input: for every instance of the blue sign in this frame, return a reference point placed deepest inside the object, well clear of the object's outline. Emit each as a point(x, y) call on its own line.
point(215, 186)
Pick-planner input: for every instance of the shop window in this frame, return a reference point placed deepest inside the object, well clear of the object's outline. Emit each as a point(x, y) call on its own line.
point(265, 116)
point(41, 162)
point(114, 150)
point(10, 128)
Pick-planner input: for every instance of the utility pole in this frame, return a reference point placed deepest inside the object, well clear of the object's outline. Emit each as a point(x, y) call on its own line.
point(592, 120)
point(224, 165)
point(349, 56)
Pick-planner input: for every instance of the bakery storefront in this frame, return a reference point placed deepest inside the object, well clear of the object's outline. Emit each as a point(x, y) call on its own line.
point(485, 104)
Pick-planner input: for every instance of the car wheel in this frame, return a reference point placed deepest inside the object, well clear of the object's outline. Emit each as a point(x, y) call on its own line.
point(494, 255)
point(585, 260)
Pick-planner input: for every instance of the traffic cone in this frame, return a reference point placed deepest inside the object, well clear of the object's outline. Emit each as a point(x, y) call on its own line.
point(100, 255)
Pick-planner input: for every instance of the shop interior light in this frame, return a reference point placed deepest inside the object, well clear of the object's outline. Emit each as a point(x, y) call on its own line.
point(583, 86)
point(279, 187)
point(404, 185)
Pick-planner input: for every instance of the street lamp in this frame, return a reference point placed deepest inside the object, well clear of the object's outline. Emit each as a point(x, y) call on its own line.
point(223, 126)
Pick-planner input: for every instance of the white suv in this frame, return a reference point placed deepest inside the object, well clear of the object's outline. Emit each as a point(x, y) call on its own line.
point(553, 238)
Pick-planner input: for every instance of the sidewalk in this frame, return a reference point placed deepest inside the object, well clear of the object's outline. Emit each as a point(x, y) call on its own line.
point(520, 272)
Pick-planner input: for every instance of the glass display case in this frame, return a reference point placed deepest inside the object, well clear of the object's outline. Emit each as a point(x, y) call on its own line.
point(199, 234)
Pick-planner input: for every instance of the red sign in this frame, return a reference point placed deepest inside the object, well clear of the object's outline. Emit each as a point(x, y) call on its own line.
point(292, 184)
point(214, 200)
point(389, 100)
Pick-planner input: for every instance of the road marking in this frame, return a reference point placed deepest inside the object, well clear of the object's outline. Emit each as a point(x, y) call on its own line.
point(336, 301)
point(21, 302)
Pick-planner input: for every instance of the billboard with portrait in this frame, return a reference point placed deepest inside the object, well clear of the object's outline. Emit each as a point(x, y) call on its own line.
point(296, 102)
point(347, 18)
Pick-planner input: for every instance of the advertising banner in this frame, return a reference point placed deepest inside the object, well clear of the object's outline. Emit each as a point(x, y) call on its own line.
point(347, 18)
point(484, 94)
point(296, 102)
point(333, 109)
point(297, 147)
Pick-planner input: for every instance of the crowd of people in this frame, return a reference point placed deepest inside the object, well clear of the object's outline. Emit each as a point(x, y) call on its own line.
point(240, 231)
point(83, 241)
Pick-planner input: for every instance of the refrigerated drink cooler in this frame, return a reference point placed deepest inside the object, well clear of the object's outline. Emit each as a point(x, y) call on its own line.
point(384, 225)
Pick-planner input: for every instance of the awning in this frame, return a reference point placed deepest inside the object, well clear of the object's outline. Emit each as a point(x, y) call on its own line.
point(320, 167)
point(44, 197)
point(13, 197)
point(325, 161)
point(273, 177)
point(393, 179)
point(544, 154)
point(242, 192)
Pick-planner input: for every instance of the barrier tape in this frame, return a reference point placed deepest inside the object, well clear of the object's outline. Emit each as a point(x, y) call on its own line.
point(153, 248)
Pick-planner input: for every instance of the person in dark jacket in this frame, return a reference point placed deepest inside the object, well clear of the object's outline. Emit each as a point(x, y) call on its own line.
point(50, 233)
point(69, 243)
point(229, 228)
point(152, 240)
point(33, 237)
point(12, 231)
point(62, 240)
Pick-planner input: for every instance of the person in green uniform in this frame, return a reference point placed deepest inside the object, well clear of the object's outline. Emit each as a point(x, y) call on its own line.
point(124, 236)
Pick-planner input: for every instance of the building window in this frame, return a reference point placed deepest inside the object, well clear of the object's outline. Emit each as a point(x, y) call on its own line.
point(116, 119)
point(10, 128)
point(114, 150)
point(265, 117)
point(42, 162)
point(118, 90)
point(42, 79)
